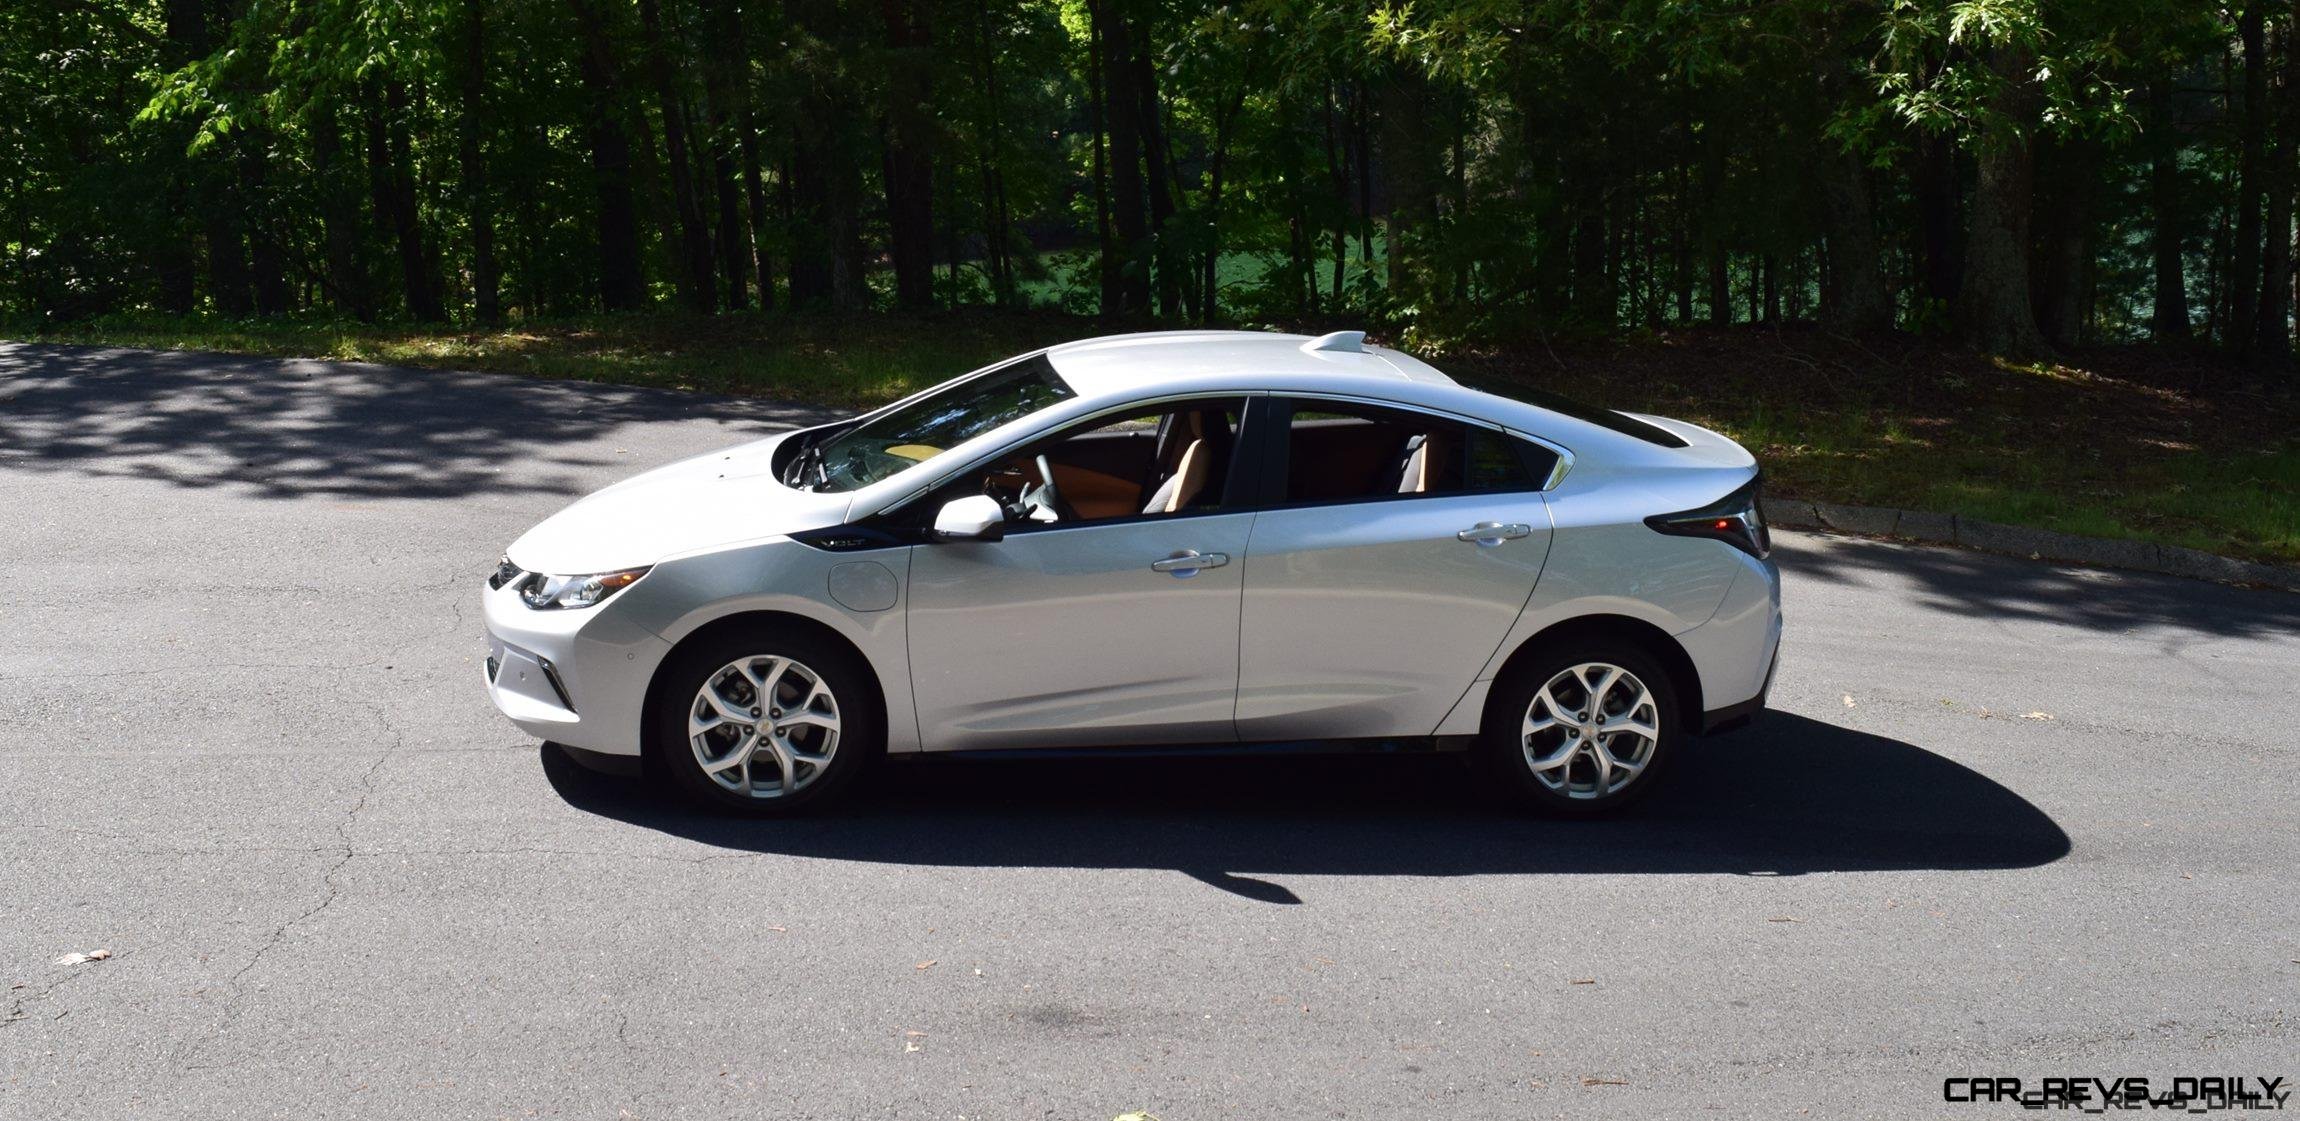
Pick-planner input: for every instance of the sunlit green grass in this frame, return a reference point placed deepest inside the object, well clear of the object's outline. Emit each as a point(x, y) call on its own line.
point(2238, 502)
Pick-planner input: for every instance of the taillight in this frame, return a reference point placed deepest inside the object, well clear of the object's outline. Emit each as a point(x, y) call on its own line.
point(1737, 519)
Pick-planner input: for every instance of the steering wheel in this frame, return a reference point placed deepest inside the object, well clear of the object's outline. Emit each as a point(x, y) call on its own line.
point(1046, 495)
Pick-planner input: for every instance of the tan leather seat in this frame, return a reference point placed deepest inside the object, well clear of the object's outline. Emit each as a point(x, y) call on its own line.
point(1186, 483)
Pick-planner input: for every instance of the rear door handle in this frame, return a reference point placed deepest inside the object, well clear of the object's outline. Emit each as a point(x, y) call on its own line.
point(1494, 533)
point(1186, 563)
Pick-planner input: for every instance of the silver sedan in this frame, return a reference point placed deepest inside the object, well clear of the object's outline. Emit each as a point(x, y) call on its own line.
point(1206, 541)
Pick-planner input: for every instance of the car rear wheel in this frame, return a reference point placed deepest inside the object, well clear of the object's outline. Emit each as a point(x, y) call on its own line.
point(1583, 731)
point(766, 724)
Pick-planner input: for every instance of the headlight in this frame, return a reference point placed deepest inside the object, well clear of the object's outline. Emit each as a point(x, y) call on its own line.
point(545, 593)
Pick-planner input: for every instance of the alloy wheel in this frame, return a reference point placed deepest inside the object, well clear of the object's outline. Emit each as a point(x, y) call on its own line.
point(1590, 731)
point(763, 726)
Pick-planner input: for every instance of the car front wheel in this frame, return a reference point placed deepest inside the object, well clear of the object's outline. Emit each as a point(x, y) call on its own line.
point(766, 724)
point(1583, 731)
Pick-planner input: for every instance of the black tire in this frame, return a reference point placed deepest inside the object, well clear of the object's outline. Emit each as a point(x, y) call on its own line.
point(854, 696)
point(1504, 747)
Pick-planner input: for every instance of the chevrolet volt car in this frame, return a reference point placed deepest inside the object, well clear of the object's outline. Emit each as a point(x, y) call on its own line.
point(1204, 540)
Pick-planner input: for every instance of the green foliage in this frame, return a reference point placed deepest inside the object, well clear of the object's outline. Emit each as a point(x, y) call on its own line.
point(1465, 168)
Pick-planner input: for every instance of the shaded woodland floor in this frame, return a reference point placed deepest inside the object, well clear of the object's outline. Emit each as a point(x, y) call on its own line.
point(2136, 442)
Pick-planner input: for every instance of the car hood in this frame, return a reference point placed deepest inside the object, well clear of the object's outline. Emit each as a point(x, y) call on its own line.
point(717, 498)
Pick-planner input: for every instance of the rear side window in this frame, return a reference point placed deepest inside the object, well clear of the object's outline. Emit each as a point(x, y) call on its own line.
point(1566, 406)
point(1343, 451)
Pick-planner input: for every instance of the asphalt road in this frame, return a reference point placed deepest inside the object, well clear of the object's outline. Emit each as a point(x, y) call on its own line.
point(2007, 820)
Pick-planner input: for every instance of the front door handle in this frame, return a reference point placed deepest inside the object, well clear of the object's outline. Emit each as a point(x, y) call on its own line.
point(1186, 563)
point(1494, 533)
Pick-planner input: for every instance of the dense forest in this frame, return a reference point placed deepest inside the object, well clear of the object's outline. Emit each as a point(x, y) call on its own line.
point(2022, 174)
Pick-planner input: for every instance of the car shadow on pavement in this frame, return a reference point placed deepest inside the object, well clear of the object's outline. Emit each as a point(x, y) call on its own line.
point(1784, 797)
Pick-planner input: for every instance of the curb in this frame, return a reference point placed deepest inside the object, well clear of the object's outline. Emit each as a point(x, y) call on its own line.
point(2022, 541)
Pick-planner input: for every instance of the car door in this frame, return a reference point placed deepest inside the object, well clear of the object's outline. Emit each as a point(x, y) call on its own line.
point(1099, 630)
point(1399, 548)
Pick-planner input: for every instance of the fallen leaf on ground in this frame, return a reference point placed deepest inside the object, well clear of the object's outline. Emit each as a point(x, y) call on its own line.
point(2036, 716)
point(1593, 1081)
point(927, 964)
point(1581, 981)
point(83, 959)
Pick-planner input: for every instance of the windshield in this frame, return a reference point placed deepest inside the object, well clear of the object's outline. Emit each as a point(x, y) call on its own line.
point(904, 437)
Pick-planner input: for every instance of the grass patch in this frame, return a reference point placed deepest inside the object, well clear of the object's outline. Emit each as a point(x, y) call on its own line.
point(2123, 443)
point(829, 360)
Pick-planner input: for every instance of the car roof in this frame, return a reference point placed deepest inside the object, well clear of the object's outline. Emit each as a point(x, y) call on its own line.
point(1127, 365)
point(1119, 369)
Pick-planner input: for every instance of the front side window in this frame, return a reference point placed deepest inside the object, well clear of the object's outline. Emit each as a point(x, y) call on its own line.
point(902, 438)
point(1158, 462)
point(1340, 451)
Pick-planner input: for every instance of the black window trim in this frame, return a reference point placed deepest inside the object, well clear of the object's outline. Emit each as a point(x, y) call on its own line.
point(1238, 488)
point(1275, 449)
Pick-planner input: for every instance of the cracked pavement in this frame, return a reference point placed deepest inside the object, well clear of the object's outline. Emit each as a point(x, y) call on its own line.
point(2008, 819)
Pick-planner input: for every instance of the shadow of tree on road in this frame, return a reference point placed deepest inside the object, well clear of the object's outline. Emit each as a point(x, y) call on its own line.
point(1784, 797)
point(291, 428)
point(1967, 582)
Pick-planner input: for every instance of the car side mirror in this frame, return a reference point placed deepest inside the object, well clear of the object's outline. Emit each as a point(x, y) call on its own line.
point(977, 517)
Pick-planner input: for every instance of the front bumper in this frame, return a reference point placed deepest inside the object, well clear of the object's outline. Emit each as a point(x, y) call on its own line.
point(576, 677)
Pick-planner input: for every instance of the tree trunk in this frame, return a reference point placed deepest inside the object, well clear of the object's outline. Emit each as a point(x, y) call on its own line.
point(340, 222)
point(416, 281)
point(2169, 321)
point(621, 284)
point(1097, 100)
point(1853, 296)
point(1338, 171)
point(1225, 120)
point(1712, 239)
point(909, 147)
point(1126, 186)
point(1940, 213)
point(755, 185)
point(186, 27)
point(2251, 186)
point(1158, 161)
point(267, 262)
point(1993, 311)
point(695, 281)
point(2064, 241)
point(227, 256)
point(1410, 162)
point(996, 236)
point(486, 278)
point(2273, 338)
point(727, 93)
